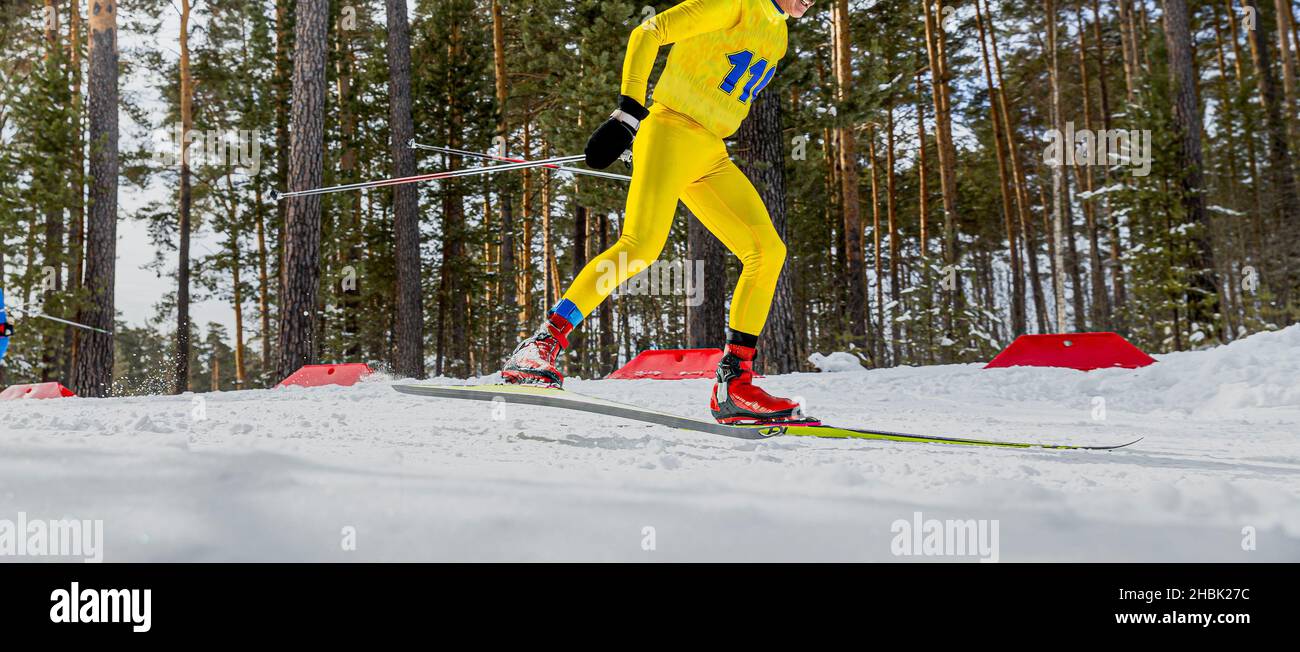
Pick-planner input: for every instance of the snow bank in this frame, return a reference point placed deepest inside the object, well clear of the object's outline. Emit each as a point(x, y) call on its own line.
point(1261, 371)
point(281, 475)
point(837, 361)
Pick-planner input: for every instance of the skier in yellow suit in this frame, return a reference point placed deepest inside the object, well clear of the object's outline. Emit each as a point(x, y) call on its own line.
point(725, 52)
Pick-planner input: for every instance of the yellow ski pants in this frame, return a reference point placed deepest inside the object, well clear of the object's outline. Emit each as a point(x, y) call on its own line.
point(675, 158)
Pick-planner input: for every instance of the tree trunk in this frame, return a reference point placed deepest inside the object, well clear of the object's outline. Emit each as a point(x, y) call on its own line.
point(453, 301)
point(1202, 295)
point(1290, 109)
point(52, 253)
point(301, 247)
point(706, 323)
point(237, 289)
point(93, 373)
point(1020, 186)
point(1059, 179)
point(1009, 224)
point(525, 318)
point(409, 358)
point(510, 290)
point(935, 48)
point(606, 356)
point(923, 192)
point(877, 259)
point(281, 83)
point(347, 234)
point(77, 235)
point(891, 221)
point(1100, 300)
point(760, 152)
point(1128, 43)
point(1286, 206)
point(855, 275)
point(181, 361)
point(577, 339)
point(1252, 154)
point(1048, 234)
point(923, 213)
point(549, 271)
point(1072, 257)
point(1110, 220)
point(263, 289)
point(1238, 230)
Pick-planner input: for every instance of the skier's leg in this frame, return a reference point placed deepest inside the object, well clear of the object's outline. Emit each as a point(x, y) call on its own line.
point(669, 153)
point(727, 204)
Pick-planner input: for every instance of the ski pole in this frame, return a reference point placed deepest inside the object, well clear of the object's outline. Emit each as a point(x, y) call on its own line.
point(61, 321)
point(560, 168)
point(469, 172)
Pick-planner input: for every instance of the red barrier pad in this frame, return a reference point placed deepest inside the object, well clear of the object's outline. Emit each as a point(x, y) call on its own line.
point(37, 390)
point(1082, 351)
point(316, 375)
point(670, 364)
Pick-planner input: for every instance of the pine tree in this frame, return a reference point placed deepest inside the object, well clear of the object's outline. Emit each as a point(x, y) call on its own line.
point(93, 373)
point(301, 251)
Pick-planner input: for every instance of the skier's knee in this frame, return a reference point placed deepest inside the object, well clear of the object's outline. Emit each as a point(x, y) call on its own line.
point(641, 254)
point(636, 254)
point(771, 254)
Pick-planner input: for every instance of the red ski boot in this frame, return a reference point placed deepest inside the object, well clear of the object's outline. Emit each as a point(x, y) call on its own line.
point(737, 401)
point(533, 362)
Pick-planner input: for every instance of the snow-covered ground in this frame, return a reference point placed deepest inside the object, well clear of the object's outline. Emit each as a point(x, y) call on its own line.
point(302, 474)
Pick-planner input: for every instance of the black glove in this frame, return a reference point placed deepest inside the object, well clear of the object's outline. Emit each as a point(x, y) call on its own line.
point(6, 329)
point(615, 136)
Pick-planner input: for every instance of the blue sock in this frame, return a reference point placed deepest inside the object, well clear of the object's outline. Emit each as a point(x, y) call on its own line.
point(568, 310)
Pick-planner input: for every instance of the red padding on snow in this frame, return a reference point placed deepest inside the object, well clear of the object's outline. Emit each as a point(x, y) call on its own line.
point(670, 364)
point(316, 375)
point(1082, 351)
point(37, 390)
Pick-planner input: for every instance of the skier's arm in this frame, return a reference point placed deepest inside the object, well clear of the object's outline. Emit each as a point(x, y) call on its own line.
point(613, 139)
point(687, 19)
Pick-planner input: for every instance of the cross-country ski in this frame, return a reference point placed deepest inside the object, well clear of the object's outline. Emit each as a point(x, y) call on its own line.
point(559, 398)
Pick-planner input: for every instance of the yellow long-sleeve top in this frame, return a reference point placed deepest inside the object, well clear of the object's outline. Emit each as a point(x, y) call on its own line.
point(725, 53)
